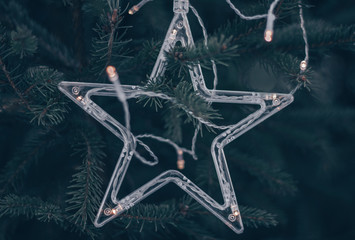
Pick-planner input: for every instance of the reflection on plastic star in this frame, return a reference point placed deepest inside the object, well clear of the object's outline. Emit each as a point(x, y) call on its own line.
point(228, 212)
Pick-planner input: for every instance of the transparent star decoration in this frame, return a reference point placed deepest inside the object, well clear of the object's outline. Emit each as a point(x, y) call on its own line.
point(111, 207)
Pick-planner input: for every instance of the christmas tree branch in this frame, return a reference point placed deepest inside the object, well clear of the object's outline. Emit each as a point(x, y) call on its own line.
point(12, 84)
point(85, 188)
point(79, 31)
point(16, 14)
point(35, 208)
point(35, 145)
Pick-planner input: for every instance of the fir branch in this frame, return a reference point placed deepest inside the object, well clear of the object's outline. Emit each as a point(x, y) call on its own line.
point(173, 125)
point(276, 179)
point(79, 31)
point(158, 215)
point(206, 173)
point(192, 104)
point(85, 188)
point(35, 208)
point(14, 206)
point(48, 105)
point(16, 14)
point(287, 64)
point(220, 49)
point(323, 36)
point(23, 43)
point(152, 217)
point(148, 51)
point(253, 217)
point(184, 99)
point(160, 85)
point(48, 114)
point(35, 145)
point(12, 84)
point(109, 48)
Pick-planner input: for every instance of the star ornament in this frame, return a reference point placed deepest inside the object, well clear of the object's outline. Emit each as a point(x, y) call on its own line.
point(111, 207)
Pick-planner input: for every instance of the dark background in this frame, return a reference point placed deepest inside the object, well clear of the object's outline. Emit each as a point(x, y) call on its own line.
point(322, 162)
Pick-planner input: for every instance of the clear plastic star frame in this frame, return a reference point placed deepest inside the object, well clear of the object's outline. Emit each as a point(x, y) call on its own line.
point(111, 207)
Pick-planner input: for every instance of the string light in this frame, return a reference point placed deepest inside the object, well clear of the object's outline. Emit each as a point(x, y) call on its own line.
point(136, 8)
point(304, 63)
point(236, 213)
point(266, 101)
point(111, 73)
point(205, 36)
point(180, 160)
point(269, 30)
point(114, 78)
point(268, 35)
point(109, 211)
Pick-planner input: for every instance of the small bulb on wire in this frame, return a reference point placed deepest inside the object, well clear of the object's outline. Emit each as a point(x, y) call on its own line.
point(133, 10)
point(180, 161)
point(303, 65)
point(112, 73)
point(136, 8)
point(268, 35)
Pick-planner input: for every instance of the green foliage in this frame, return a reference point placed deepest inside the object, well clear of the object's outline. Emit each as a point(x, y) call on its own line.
point(253, 217)
point(185, 101)
point(48, 107)
point(173, 125)
point(3, 42)
point(151, 216)
point(34, 146)
point(67, 2)
point(220, 49)
point(144, 59)
point(267, 174)
point(109, 46)
point(192, 104)
point(35, 208)
point(49, 46)
point(23, 43)
point(13, 205)
point(160, 85)
point(85, 190)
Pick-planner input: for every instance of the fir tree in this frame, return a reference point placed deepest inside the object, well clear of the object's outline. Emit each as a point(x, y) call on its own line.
point(293, 174)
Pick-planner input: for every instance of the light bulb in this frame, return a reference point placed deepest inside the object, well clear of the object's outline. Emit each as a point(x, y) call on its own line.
point(303, 65)
point(180, 161)
point(268, 35)
point(133, 10)
point(112, 73)
point(181, 164)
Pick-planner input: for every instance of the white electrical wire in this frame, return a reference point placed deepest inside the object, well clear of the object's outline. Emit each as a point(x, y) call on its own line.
point(241, 15)
point(304, 34)
point(205, 37)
